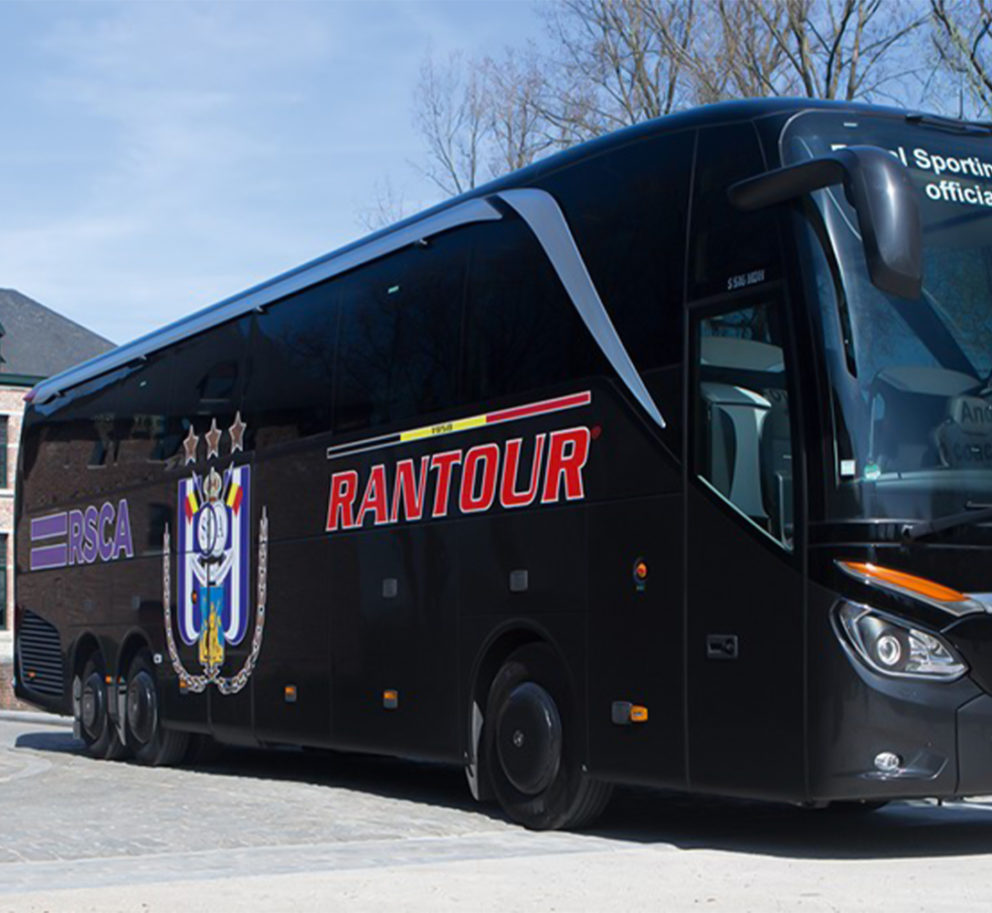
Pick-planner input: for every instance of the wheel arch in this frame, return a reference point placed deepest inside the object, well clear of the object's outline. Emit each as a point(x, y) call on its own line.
point(84, 646)
point(133, 643)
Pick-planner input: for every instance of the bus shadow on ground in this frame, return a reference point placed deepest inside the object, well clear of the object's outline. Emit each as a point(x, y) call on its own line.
point(899, 830)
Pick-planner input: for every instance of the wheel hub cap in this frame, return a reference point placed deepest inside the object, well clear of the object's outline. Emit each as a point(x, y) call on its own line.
point(142, 710)
point(91, 706)
point(529, 737)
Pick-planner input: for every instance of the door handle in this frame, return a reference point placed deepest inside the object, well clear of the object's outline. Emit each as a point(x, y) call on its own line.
point(721, 646)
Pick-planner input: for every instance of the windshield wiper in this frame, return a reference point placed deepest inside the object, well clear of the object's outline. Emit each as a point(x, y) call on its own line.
point(913, 531)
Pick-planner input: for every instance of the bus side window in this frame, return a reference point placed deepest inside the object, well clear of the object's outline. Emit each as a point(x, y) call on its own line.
point(140, 405)
point(628, 212)
point(425, 377)
point(207, 381)
point(522, 332)
point(743, 429)
point(729, 249)
point(79, 441)
point(289, 390)
point(398, 349)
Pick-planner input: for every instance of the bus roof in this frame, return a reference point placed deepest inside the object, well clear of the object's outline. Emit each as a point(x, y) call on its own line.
point(460, 210)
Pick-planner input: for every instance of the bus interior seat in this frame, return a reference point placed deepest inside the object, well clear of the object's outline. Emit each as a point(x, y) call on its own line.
point(748, 438)
point(910, 403)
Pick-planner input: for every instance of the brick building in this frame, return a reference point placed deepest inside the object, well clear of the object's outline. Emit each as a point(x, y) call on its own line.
point(35, 342)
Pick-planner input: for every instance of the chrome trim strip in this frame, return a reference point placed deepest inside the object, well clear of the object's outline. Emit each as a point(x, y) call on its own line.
point(545, 219)
point(984, 599)
point(475, 210)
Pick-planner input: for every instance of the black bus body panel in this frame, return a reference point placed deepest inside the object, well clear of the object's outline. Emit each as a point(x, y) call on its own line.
point(425, 607)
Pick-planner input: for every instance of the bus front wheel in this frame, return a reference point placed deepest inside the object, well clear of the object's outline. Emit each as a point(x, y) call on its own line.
point(148, 740)
point(98, 731)
point(530, 745)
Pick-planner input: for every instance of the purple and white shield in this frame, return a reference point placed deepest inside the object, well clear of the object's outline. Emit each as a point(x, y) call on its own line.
point(213, 552)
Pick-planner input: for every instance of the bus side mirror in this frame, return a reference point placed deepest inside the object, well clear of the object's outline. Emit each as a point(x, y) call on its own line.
point(879, 188)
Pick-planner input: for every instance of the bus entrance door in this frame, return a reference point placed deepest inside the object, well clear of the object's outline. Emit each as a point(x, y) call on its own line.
point(744, 580)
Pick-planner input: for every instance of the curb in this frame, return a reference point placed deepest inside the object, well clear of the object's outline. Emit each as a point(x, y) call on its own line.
point(28, 716)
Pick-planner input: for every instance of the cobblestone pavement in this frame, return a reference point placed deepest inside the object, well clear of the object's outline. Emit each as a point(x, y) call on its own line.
point(288, 830)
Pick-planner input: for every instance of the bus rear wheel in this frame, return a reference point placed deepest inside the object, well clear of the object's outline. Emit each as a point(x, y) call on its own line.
point(530, 745)
point(150, 743)
point(98, 731)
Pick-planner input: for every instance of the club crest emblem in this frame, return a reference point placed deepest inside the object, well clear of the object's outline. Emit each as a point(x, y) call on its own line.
point(213, 558)
point(212, 554)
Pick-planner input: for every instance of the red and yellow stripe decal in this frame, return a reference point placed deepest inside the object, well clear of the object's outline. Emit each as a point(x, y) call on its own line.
point(529, 410)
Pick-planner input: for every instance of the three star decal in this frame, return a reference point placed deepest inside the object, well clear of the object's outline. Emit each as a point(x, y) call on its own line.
point(189, 445)
point(213, 437)
point(237, 432)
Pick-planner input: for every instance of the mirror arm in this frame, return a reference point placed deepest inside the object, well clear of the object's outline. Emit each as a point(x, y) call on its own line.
point(882, 194)
point(788, 183)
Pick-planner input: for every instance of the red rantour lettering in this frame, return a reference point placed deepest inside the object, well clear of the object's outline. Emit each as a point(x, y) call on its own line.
point(410, 492)
point(444, 463)
point(486, 456)
point(374, 499)
point(340, 509)
point(508, 494)
point(554, 470)
point(568, 451)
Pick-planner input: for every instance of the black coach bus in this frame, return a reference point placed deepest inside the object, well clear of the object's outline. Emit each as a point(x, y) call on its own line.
point(665, 461)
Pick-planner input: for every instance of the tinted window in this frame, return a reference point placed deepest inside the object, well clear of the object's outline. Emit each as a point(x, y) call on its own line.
point(398, 350)
point(522, 331)
point(290, 388)
point(76, 444)
point(730, 249)
point(628, 211)
point(208, 379)
point(133, 414)
point(743, 427)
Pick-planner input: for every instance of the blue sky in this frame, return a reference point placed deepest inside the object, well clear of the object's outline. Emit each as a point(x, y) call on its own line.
point(156, 157)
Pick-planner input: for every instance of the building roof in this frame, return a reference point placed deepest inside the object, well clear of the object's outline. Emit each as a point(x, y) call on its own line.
point(37, 342)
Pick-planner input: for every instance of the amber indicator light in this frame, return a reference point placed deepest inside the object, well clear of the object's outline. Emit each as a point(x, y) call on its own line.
point(906, 581)
point(638, 714)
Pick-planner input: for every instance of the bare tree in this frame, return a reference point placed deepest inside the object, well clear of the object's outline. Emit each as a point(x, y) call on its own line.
point(849, 49)
point(607, 64)
point(615, 63)
point(843, 49)
point(963, 38)
point(517, 131)
point(387, 206)
point(738, 53)
point(452, 115)
point(618, 62)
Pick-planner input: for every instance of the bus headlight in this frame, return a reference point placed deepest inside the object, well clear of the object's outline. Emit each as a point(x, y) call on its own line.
point(894, 648)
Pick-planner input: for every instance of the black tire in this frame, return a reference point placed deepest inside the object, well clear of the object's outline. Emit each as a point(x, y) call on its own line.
point(150, 743)
point(97, 729)
point(530, 745)
point(201, 750)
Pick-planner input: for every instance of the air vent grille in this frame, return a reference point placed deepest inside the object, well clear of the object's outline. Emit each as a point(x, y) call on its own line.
point(40, 654)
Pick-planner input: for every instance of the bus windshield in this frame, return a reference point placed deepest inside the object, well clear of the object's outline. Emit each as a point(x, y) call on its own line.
point(910, 380)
